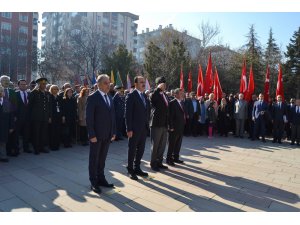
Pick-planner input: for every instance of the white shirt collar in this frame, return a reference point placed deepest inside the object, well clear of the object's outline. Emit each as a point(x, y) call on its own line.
point(102, 93)
point(139, 91)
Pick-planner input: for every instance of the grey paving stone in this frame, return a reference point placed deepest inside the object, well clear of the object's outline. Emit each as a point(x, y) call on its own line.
point(5, 194)
point(15, 205)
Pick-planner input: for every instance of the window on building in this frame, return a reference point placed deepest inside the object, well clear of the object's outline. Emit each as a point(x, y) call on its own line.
point(34, 33)
point(98, 18)
point(23, 30)
point(22, 53)
point(23, 17)
point(5, 38)
point(105, 21)
point(5, 26)
point(6, 15)
point(5, 50)
point(23, 41)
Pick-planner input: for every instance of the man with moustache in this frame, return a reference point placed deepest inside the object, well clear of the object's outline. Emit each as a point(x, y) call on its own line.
point(101, 126)
point(159, 124)
point(177, 120)
point(137, 112)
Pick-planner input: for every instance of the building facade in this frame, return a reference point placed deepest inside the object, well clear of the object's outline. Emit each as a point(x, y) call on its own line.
point(18, 45)
point(116, 27)
point(193, 44)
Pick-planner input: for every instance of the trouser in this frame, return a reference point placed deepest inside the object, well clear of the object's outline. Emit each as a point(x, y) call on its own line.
point(136, 148)
point(23, 130)
point(187, 128)
point(223, 127)
point(69, 133)
point(250, 128)
point(97, 158)
point(202, 128)
point(3, 154)
point(278, 127)
point(175, 140)
point(240, 127)
point(295, 133)
point(39, 135)
point(158, 145)
point(120, 124)
point(83, 134)
point(194, 124)
point(55, 135)
point(259, 127)
point(12, 144)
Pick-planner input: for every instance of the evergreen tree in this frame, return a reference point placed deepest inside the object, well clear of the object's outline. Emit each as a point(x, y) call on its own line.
point(292, 66)
point(272, 57)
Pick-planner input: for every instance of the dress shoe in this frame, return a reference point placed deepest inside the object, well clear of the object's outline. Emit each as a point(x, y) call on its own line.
point(36, 153)
point(96, 189)
point(264, 140)
point(178, 161)
point(132, 174)
point(170, 162)
point(140, 172)
point(279, 142)
point(292, 143)
point(104, 183)
point(27, 151)
point(155, 168)
point(4, 160)
point(274, 141)
point(161, 166)
point(45, 151)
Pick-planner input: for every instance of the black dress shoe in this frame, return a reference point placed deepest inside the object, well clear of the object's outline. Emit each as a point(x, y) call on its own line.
point(141, 173)
point(264, 140)
point(279, 142)
point(170, 162)
point(45, 151)
point(106, 184)
point(132, 174)
point(4, 160)
point(274, 141)
point(155, 168)
point(162, 167)
point(96, 189)
point(28, 151)
point(292, 143)
point(178, 161)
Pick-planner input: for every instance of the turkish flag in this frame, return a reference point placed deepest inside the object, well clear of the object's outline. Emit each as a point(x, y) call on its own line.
point(217, 87)
point(279, 89)
point(251, 86)
point(243, 82)
point(200, 85)
point(208, 84)
point(181, 78)
point(190, 82)
point(267, 85)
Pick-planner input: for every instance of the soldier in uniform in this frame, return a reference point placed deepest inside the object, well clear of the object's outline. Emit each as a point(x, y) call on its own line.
point(119, 102)
point(40, 115)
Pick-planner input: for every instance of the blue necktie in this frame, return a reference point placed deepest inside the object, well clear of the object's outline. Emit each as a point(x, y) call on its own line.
point(144, 101)
point(106, 100)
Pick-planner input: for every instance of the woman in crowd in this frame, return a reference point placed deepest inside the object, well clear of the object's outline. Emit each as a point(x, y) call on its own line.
point(56, 119)
point(223, 118)
point(81, 103)
point(69, 109)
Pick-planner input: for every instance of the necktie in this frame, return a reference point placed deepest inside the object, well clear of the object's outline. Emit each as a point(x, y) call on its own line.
point(25, 98)
point(144, 101)
point(6, 93)
point(106, 100)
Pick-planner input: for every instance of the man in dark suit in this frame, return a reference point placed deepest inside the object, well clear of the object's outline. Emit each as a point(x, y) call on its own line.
point(195, 113)
point(288, 128)
point(249, 120)
point(279, 117)
point(22, 123)
point(101, 126)
point(40, 110)
point(177, 121)
point(137, 112)
point(259, 113)
point(159, 124)
point(295, 123)
point(188, 107)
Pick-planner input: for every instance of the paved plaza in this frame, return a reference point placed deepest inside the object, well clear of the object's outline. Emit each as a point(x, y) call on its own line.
point(219, 174)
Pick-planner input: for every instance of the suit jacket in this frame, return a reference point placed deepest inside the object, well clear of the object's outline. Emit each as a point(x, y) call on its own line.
point(136, 114)
point(119, 103)
point(258, 108)
point(197, 107)
point(189, 108)
point(240, 109)
point(159, 109)
point(40, 107)
point(294, 116)
point(22, 112)
point(176, 118)
point(278, 113)
point(6, 121)
point(100, 118)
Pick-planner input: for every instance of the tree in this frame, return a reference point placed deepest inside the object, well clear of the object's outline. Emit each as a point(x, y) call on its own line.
point(253, 54)
point(292, 65)
point(208, 33)
point(272, 56)
point(164, 55)
point(120, 60)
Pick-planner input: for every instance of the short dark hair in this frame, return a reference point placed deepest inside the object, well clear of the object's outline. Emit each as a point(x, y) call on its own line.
point(136, 79)
point(19, 81)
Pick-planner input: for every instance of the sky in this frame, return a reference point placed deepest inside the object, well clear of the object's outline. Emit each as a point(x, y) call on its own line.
point(233, 26)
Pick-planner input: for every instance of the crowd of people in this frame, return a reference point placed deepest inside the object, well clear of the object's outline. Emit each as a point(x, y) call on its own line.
point(46, 117)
